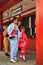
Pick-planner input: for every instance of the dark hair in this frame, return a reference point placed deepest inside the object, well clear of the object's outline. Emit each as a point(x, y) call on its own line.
point(14, 18)
point(22, 27)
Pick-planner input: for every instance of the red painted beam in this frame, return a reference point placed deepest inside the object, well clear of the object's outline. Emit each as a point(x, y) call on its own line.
point(39, 32)
point(9, 4)
point(1, 36)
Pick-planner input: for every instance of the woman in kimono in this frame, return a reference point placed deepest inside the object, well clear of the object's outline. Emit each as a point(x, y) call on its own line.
point(13, 33)
point(6, 43)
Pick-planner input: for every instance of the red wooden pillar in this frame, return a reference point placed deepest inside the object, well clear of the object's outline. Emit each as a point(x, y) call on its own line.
point(39, 32)
point(1, 37)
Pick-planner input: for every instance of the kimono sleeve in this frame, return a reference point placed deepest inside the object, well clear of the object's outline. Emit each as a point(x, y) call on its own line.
point(19, 34)
point(26, 38)
point(9, 30)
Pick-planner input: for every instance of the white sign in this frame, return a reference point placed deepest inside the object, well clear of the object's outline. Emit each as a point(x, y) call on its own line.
point(17, 11)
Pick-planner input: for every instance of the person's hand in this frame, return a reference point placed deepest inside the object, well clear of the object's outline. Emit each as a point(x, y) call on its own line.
point(14, 29)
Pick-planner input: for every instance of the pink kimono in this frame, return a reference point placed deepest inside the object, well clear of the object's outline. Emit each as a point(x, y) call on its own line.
point(22, 43)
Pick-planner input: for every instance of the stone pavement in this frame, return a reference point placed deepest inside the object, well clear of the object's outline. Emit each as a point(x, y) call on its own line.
point(29, 56)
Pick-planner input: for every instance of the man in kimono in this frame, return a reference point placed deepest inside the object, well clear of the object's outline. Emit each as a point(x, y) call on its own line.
point(13, 33)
